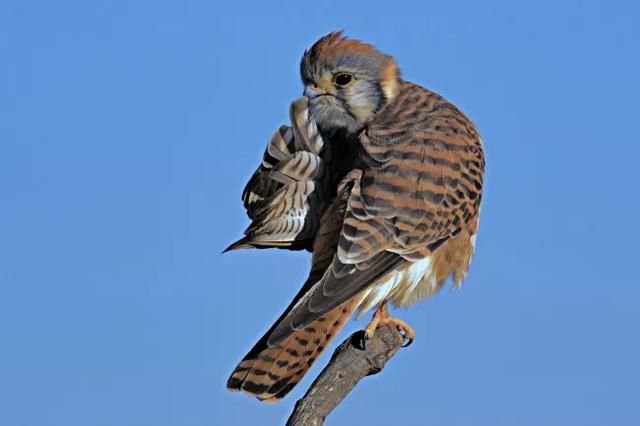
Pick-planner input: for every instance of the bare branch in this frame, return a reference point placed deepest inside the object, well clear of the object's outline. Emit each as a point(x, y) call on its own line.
point(351, 361)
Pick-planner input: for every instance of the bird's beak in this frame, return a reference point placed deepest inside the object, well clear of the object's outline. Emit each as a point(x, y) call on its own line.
point(309, 92)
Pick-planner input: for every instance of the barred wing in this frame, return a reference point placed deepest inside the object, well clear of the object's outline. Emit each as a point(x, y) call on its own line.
point(287, 194)
point(420, 186)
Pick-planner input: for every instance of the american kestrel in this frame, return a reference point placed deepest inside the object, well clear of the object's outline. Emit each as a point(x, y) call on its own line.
point(381, 179)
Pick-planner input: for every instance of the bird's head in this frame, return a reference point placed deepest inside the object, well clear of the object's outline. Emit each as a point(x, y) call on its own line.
point(347, 82)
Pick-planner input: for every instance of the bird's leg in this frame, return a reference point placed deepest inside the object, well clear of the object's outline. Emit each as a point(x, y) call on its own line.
point(381, 317)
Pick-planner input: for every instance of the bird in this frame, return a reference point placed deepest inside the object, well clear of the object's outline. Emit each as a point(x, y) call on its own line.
point(382, 182)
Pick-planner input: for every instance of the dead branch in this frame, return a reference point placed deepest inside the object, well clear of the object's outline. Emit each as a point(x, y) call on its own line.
point(350, 362)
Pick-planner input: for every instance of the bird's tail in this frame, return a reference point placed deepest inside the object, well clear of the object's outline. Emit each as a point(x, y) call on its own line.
point(270, 372)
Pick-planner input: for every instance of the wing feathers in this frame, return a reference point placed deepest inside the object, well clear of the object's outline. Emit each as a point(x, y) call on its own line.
point(415, 185)
point(270, 372)
point(287, 194)
point(332, 282)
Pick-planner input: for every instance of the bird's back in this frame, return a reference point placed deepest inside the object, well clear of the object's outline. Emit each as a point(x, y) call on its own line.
point(421, 189)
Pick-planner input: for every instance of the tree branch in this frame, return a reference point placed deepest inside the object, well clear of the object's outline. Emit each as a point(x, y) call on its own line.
point(350, 362)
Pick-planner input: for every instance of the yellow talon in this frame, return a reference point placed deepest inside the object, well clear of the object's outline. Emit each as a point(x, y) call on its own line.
point(381, 317)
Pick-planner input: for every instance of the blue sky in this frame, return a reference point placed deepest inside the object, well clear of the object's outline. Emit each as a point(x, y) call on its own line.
point(128, 130)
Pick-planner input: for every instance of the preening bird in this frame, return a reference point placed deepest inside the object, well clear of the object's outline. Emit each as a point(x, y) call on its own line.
point(382, 180)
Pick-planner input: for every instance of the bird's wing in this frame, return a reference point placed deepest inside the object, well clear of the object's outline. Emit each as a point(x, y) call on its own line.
point(422, 186)
point(284, 354)
point(425, 184)
point(287, 194)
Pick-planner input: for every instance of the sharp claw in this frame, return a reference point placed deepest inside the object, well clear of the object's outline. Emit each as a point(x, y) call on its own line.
point(407, 340)
point(360, 340)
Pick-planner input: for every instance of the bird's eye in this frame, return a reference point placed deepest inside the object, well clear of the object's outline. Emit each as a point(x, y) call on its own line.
point(343, 79)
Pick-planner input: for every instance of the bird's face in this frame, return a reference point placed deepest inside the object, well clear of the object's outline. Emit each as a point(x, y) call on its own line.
point(347, 82)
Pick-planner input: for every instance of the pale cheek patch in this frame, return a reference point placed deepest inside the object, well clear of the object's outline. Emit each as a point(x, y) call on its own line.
point(390, 89)
point(390, 80)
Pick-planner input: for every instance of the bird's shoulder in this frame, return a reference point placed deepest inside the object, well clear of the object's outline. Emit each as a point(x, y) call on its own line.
point(420, 118)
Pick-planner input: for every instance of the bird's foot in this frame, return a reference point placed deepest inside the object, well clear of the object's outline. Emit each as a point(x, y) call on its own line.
point(381, 318)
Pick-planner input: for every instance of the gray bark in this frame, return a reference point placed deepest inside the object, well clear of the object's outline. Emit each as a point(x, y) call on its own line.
point(350, 362)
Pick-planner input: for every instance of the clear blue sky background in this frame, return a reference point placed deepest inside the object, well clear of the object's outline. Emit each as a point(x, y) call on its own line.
point(128, 130)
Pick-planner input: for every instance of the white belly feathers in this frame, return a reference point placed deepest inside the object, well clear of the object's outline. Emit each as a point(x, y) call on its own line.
point(417, 280)
point(399, 285)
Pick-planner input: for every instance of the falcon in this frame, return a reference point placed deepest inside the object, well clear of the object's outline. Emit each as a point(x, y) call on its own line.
point(382, 180)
